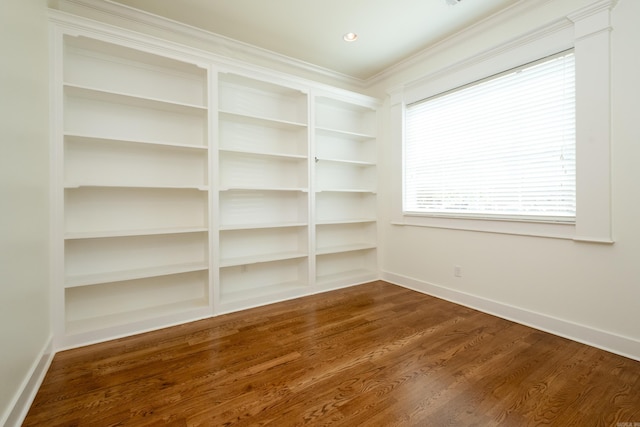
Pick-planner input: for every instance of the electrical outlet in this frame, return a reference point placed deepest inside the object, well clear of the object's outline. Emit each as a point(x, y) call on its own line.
point(457, 271)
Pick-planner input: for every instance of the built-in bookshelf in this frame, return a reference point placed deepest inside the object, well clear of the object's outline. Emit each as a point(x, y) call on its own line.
point(184, 188)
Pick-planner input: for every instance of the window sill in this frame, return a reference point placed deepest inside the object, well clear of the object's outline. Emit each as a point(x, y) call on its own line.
point(553, 230)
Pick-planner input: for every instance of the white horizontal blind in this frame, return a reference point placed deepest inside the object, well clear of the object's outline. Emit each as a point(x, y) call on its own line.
point(503, 147)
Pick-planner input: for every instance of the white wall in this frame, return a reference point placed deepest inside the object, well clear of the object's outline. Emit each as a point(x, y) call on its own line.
point(586, 291)
point(24, 269)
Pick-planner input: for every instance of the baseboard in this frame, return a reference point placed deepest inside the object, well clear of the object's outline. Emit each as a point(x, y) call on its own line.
point(24, 398)
point(607, 341)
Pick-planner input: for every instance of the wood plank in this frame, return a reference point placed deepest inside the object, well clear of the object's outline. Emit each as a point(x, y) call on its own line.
point(374, 354)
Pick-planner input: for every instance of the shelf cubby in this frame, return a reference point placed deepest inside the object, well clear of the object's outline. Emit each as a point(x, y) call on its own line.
point(111, 209)
point(107, 305)
point(345, 117)
point(258, 208)
point(240, 170)
point(345, 237)
point(337, 207)
point(259, 280)
point(100, 260)
point(334, 269)
point(241, 133)
point(335, 145)
point(344, 176)
point(119, 69)
point(261, 100)
point(251, 246)
point(91, 161)
point(111, 116)
point(160, 104)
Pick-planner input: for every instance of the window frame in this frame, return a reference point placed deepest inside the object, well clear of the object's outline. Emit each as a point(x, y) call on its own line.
point(587, 32)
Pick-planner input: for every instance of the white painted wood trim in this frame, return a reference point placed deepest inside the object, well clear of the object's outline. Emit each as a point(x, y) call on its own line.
point(608, 341)
point(19, 406)
point(518, 8)
point(593, 131)
point(221, 43)
point(587, 31)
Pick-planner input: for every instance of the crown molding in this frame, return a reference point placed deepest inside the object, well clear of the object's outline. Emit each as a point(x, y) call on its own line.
point(518, 8)
point(592, 9)
point(592, 19)
point(105, 10)
point(144, 22)
point(78, 25)
point(522, 40)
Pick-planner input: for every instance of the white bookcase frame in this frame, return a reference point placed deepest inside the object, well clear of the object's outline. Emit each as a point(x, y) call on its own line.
point(345, 177)
point(264, 183)
point(130, 188)
point(185, 185)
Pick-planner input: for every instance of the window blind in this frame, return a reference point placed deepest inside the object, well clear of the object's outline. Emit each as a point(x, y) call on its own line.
point(503, 147)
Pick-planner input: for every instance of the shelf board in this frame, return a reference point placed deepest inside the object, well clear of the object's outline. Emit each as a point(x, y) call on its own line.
point(140, 273)
point(133, 100)
point(260, 292)
point(241, 188)
point(255, 259)
point(264, 154)
point(160, 187)
point(231, 227)
point(347, 277)
point(345, 161)
point(95, 138)
point(345, 133)
point(344, 221)
point(261, 121)
point(345, 248)
point(74, 235)
point(91, 324)
point(344, 190)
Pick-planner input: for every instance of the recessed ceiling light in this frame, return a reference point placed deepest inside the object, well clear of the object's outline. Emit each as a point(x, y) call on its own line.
point(350, 37)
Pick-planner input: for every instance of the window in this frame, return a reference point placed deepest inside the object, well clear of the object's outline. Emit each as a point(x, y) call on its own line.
point(585, 36)
point(500, 148)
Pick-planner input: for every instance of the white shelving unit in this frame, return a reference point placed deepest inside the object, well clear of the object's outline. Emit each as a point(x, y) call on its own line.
point(345, 195)
point(264, 191)
point(184, 187)
point(134, 171)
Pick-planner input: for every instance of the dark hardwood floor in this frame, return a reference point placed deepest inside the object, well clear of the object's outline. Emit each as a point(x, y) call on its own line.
point(370, 355)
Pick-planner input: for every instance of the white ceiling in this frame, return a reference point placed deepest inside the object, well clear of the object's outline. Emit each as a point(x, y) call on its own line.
point(311, 30)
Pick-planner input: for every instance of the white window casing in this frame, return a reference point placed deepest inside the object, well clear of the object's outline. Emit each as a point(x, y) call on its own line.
point(587, 33)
